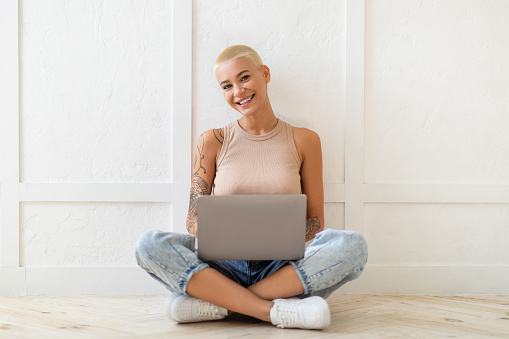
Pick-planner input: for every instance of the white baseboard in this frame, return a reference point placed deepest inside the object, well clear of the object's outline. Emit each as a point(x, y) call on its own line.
point(376, 279)
point(430, 280)
point(77, 280)
point(12, 281)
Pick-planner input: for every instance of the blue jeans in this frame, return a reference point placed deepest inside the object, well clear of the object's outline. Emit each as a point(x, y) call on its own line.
point(332, 259)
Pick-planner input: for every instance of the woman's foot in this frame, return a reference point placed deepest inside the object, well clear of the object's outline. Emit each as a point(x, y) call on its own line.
point(183, 308)
point(309, 313)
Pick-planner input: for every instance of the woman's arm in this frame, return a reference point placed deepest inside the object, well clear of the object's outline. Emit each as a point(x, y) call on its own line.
point(204, 170)
point(310, 150)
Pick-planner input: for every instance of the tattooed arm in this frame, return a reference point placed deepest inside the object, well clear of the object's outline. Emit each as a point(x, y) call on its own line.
point(309, 148)
point(204, 170)
point(313, 226)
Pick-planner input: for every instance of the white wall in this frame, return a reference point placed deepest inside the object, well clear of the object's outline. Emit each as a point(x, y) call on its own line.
point(95, 86)
point(95, 143)
point(437, 100)
point(409, 97)
point(95, 79)
point(437, 114)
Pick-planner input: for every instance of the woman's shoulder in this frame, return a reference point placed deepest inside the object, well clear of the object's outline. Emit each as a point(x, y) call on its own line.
point(301, 134)
point(211, 141)
point(214, 136)
point(306, 141)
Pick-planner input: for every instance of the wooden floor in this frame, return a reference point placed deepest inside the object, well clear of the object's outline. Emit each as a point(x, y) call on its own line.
point(353, 316)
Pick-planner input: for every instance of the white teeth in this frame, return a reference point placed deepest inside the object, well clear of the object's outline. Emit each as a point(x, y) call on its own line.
point(247, 100)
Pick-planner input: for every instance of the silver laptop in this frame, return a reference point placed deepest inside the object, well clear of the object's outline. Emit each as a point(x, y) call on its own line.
point(251, 227)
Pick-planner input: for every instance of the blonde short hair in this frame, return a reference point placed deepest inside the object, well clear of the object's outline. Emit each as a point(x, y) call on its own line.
point(237, 51)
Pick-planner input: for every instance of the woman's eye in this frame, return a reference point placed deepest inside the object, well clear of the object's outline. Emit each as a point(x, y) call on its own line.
point(226, 87)
point(244, 78)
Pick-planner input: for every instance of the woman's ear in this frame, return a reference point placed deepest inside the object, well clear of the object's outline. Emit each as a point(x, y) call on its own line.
point(266, 73)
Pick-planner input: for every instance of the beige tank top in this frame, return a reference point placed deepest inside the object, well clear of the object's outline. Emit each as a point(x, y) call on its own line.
point(258, 164)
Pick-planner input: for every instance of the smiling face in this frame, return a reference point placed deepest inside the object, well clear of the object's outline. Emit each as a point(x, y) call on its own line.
point(244, 85)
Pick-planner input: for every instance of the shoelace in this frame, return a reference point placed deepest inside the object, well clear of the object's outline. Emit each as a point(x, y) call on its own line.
point(207, 309)
point(288, 316)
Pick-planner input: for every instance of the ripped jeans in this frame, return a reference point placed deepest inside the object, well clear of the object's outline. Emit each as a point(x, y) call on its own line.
point(332, 259)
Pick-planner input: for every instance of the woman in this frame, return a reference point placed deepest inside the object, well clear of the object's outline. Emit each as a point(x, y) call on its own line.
point(257, 154)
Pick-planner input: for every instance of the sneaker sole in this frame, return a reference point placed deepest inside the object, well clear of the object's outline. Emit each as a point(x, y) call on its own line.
point(323, 307)
point(168, 307)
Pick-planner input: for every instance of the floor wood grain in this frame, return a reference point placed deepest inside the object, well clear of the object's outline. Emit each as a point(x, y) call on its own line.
point(353, 316)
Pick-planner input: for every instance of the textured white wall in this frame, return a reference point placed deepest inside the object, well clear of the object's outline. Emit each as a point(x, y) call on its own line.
point(438, 234)
point(96, 85)
point(304, 47)
point(437, 97)
point(437, 111)
point(87, 234)
point(96, 97)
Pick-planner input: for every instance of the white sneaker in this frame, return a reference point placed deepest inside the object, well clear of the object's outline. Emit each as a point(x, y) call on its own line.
point(310, 313)
point(184, 308)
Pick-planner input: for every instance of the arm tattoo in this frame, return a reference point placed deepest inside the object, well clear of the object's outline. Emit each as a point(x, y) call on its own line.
point(312, 227)
point(198, 187)
point(199, 156)
point(218, 133)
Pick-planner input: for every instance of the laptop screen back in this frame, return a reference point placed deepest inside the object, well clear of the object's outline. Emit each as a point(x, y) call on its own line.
point(251, 227)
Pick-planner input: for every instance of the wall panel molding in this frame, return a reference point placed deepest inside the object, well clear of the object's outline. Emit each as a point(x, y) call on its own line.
point(334, 193)
point(437, 193)
point(9, 134)
point(182, 109)
point(117, 192)
point(354, 120)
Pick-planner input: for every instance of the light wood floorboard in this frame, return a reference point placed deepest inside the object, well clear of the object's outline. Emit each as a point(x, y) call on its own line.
point(353, 316)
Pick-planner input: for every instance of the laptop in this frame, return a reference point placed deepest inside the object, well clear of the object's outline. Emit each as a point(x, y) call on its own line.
point(251, 227)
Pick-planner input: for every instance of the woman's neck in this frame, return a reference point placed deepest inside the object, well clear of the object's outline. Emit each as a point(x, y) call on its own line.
point(258, 125)
point(262, 122)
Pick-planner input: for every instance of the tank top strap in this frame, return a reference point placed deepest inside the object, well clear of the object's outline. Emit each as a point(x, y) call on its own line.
point(291, 143)
point(227, 134)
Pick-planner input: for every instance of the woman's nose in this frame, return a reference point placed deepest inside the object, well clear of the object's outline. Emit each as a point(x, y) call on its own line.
point(239, 90)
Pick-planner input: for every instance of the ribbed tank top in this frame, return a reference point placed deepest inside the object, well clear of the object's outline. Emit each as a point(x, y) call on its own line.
point(258, 164)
